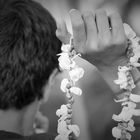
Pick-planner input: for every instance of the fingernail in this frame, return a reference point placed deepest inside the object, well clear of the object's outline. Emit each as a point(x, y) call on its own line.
point(72, 10)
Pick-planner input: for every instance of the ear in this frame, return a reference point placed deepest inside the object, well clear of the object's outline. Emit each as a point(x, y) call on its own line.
point(47, 87)
point(51, 79)
point(28, 117)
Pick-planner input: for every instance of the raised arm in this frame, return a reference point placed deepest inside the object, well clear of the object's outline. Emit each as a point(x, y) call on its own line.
point(102, 41)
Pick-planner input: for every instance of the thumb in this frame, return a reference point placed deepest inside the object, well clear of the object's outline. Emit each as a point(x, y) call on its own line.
point(62, 33)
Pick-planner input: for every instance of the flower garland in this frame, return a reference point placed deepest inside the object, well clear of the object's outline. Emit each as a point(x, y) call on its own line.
point(68, 85)
point(126, 83)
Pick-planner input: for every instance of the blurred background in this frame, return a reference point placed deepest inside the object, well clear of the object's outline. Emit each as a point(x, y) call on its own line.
point(93, 110)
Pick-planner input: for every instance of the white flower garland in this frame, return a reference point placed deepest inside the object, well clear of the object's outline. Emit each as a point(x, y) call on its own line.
point(67, 62)
point(125, 80)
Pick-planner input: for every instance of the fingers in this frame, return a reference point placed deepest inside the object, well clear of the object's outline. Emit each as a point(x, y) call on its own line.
point(92, 32)
point(90, 25)
point(78, 27)
point(62, 33)
point(117, 27)
point(103, 25)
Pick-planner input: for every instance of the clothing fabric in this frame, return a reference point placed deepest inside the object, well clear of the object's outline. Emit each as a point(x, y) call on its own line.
point(4, 135)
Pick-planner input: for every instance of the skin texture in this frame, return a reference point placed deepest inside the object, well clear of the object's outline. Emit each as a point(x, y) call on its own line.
point(105, 49)
point(21, 122)
point(95, 41)
point(100, 39)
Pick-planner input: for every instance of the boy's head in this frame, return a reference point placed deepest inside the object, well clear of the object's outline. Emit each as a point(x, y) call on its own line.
point(28, 49)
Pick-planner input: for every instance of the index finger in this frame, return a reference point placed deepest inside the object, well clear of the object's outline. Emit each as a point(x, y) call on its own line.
point(117, 26)
point(79, 32)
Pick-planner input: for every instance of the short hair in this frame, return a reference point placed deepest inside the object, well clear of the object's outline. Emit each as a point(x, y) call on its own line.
point(28, 49)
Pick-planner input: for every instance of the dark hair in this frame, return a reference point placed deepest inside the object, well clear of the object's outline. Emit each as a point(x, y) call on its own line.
point(28, 49)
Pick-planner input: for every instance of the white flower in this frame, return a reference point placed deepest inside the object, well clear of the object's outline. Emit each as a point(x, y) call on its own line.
point(123, 80)
point(129, 104)
point(135, 98)
point(127, 112)
point(131, 83)
point(63, 111)
point(134, 61)
point(76, 91)
point(76, 74)
point(123, 69)
point(122, 77)
point(121, 100)
point(75, 129)
point(63, 129)
point(116, 132)
point(65, 62)
point(66, 48)
point(64, 84)
point(135, 44)
point(130, 126)
point(128, 31)
point(136, 51)
point(128, 136)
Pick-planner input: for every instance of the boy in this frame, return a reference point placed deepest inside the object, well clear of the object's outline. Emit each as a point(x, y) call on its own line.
point(28, 65)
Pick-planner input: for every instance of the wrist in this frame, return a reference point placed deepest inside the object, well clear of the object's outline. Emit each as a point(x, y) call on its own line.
point(110, 73)
point(114, 65)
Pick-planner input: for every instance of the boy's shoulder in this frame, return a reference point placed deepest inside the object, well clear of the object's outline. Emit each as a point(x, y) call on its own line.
point(44, 136)
point(4, 135)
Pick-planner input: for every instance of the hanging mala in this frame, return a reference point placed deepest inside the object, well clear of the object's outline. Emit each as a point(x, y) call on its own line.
point(125, 80)
point(67, 62)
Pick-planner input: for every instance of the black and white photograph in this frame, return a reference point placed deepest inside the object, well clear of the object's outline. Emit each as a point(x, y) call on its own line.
point(69, 69)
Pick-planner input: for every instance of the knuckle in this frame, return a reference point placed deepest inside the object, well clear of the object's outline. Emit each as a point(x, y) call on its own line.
point(100, 12)
point(81, 50)
point(79, 39)
point(123, 40)
point(91, 44)
point(78, 49)
point(116, 29)
point(115, 14)
point(87, 14)
point(78, 25)
point(105, 41)
point(119, 40)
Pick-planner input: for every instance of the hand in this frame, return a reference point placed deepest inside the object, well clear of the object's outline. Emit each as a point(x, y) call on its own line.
point(93, 38)
point(62, 33)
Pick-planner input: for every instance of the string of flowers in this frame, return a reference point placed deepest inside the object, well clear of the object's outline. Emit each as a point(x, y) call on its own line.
point(126, 83)
point(67, 62)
